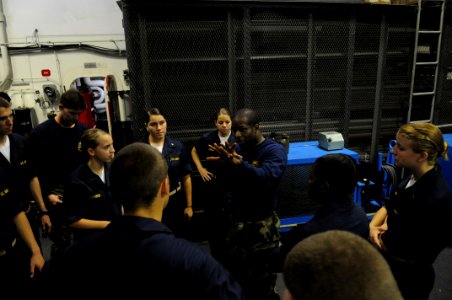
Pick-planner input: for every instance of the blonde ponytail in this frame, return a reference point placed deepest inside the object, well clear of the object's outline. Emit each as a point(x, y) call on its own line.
point(445, 156)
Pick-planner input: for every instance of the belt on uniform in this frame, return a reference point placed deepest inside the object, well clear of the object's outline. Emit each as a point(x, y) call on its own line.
point(179, 187)
point(3, 252)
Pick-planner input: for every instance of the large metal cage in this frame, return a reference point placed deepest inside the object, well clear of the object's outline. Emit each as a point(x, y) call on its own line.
point(305, 67)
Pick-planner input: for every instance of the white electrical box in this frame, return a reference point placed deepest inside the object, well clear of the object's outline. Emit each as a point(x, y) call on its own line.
point(331, 140)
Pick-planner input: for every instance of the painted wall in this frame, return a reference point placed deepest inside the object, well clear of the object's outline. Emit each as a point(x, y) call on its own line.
point(62, 18)
point(62, 23)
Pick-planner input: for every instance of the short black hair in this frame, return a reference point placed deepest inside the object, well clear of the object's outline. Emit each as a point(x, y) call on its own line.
point(338, 170)
point(72, 99)
point(249, 114)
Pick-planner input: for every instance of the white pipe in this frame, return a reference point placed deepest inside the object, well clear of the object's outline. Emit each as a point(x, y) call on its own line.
point(6, 81)
point(99, 99)
point(97, 86)
point(88, 81)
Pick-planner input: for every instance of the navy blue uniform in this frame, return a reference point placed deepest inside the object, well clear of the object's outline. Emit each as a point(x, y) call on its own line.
point(179, 166)
point(419, 228)
point(18, 172)
point(9, 186)
point(9, 208)
point(10, 276)
point(340, 214)
point(21, 175)
point(55, 153)
point(86, 196)
point(253, 237)
point(203, 150)
point(216, 193)
point(256, 181)
point(135, 256)
point(15, 177)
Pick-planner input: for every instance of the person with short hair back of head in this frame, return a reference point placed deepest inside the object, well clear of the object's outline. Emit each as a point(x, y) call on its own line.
point(337, 265)
point(136, 253)
point(331, 184)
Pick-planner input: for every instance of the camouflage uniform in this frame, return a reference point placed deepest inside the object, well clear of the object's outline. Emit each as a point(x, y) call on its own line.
point(251, 247)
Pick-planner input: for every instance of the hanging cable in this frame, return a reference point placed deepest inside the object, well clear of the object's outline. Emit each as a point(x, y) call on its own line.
point(66, 47)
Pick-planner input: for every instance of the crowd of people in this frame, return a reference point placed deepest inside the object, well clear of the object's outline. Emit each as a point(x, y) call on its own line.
point(118, 221)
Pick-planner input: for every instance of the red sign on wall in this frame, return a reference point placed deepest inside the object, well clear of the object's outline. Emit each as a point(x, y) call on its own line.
point(45, 72)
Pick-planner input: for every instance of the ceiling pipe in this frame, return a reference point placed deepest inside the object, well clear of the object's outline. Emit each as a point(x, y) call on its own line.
point(7, 74)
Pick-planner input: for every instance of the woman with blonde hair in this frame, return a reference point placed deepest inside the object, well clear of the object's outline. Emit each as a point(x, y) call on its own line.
point(415, 225)
point(90, 206)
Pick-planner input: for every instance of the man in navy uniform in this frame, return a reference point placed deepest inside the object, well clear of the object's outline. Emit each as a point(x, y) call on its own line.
point(253, 236)
point(16, 265)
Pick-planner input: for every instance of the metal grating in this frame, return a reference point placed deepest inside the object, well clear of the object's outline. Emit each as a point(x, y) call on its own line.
point(293, 195)
point(305, 68)
point(443, 107)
